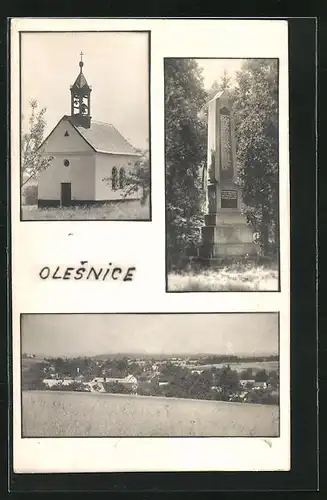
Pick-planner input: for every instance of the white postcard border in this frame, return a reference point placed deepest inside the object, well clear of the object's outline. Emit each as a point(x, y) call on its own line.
point(37, 243)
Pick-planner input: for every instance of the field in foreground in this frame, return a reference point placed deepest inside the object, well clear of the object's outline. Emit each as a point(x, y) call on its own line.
point(111, 211)
point(53, 414)
point(254, 278)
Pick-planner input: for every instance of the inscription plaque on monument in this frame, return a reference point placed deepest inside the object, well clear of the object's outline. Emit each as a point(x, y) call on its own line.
point(226, 146)
point(228, 199)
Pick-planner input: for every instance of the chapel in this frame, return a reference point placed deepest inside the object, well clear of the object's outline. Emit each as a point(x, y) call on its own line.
point(83, 153)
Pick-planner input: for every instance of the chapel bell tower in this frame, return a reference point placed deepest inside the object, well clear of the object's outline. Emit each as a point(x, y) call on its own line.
point(81, 99)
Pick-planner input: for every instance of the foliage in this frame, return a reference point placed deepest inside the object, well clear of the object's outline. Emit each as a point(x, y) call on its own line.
point(185, 157)
point(75, 386)
point(261, 376)
point(32, 375)
point(116, 388)
point(247, 374)
point(225, 85)
point(33, 160)
point(137, 178)
point(263, 397)
point(30, 194)
point(228, 380)
point(273, 379)
point(256, 114)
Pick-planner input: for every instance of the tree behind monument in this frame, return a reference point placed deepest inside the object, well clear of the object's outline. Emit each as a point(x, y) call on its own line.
point(256, 120)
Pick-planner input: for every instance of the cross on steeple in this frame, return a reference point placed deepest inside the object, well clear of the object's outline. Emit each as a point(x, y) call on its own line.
point(81, 64)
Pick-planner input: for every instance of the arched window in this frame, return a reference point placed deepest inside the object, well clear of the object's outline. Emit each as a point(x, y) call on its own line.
point(122, 178)
point(114, 179)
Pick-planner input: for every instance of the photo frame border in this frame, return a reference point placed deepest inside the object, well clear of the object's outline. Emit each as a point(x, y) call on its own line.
point(149, 219)
point(217, 436)
point(279, 211)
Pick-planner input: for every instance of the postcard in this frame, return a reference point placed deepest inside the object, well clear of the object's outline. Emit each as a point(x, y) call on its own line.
point(150, 245)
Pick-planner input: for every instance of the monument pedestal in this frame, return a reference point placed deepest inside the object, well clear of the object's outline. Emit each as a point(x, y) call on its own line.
point(227, 235)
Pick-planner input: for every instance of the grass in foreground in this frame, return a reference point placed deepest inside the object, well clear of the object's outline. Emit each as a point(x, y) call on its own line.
point(229, 278)
point(53, 414)
point(110, 211)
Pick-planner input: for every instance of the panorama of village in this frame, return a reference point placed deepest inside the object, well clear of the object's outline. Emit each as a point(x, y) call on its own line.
point(220, 378)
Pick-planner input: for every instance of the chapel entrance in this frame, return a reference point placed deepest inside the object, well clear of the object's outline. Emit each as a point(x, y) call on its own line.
point(66, 194)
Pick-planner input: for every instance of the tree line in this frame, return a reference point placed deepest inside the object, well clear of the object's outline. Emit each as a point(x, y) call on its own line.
point(220, 384)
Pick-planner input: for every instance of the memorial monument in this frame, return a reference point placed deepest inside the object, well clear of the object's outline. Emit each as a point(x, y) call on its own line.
point(226, 233)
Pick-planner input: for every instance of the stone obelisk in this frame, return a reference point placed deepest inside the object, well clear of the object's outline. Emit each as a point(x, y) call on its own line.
point(226, 233)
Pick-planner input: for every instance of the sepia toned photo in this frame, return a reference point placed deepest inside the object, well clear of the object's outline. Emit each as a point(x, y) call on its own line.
point(85, 125)
point(222, 174)
point(116, 365)
point(150, 375)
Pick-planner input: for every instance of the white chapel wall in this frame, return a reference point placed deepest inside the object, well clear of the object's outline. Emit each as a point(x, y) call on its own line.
point(80, 173)
point(104, 165)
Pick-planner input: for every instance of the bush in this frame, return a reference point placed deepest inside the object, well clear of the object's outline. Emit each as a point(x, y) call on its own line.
point(116, 388)
point(30, 195)
point(74, 386)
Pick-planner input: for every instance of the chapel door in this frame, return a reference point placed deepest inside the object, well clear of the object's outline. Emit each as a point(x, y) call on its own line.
point(66, 194)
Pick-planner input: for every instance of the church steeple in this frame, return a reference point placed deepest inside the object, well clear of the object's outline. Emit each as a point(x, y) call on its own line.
point(81, 99)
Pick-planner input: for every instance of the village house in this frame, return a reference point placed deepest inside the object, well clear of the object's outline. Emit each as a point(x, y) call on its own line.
point(50, 382)
point(260, 385)
point(247, 383)
point(130, 382)
point(253, 384)
point(89, 159)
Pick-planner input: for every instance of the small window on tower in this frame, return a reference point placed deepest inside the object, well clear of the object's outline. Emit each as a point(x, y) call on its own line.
point(66, 133)
point(66, 163)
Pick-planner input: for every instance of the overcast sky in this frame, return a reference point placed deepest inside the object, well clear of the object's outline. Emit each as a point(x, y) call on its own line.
point(90, 334)
point(213, 69)
point(115, 66)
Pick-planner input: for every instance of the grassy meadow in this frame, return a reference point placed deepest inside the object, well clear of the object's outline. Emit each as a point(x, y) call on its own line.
point(59, 414)
point(232, 278)
point(110, 211)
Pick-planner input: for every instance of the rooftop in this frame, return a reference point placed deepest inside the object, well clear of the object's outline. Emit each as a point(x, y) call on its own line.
point(105, 138)
point(80, 82)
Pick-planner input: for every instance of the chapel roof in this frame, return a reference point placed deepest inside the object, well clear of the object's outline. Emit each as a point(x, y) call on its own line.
point(105, 138)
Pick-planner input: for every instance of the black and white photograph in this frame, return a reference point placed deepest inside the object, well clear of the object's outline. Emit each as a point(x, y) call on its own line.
point(150, 375)
point(117, 366)
point(222, 174)
point(85, 127)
